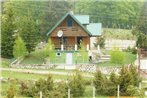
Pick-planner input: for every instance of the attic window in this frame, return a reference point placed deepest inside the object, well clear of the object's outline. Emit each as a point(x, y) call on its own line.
point(69, 22)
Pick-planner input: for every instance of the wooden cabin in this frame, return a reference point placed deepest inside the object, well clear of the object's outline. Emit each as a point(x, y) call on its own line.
point(71, 30)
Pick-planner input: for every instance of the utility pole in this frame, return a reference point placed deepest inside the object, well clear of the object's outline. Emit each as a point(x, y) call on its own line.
point(118, 87)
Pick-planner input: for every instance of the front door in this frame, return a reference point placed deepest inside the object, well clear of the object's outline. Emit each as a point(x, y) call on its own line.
point(68, 58)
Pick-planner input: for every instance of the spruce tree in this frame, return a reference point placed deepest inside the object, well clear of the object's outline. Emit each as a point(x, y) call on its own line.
point(7, 33)
point(77, 85)
point(99, 82)
point(29, 32)
point(19, 49)
point(125, 80)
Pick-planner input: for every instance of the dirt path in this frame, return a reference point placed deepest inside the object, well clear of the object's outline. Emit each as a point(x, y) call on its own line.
point(41, 71)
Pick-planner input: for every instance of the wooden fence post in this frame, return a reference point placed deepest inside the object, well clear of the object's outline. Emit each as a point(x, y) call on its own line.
point(68, 93)
point(93, 92)
point(40, 94)
point(118, 91)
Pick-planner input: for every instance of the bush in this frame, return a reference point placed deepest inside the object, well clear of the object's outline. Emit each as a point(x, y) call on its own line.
point(100, 41)
point(77, 85)
point(11, 93)
point(117, 56)
point(132, 50)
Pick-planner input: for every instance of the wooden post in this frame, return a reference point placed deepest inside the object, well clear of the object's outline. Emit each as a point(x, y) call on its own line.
point(118, 91)
point(75, 47)
point(68, 93)
point(87, 47)
point(62, 47)
point(93, 92)
point(40, 94)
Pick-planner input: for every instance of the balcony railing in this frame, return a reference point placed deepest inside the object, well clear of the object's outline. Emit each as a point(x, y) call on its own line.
point(69, 28)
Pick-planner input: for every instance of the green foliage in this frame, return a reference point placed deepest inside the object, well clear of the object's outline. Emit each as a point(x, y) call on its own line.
point(100, 41)
point(111, 14)
point(50, 50)
point(11, 92)
point(77, 85)
point(128, 76)
point(128, 79)
point(83, 52)
point(99, 82)
point(132, 50)
point(141, 28)
point(117, 56)
point(29, 33)
point(134, 91)
point(8, 28)
point(60, 90)
point(41, 85)
point(103, 85)
point(19, 48)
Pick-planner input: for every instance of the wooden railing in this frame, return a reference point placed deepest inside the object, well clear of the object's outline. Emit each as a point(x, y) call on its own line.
point(69, 28)
point(66, 47)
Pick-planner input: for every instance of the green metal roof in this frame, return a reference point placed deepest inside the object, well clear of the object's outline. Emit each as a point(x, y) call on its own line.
point(95, 29)
point(68, 14)
point(83, 19)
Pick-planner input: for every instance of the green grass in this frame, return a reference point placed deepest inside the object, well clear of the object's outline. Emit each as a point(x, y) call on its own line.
point(28, 76)
point(129, 58)
point(119, 34)
point(35, 57)
point(5, 63)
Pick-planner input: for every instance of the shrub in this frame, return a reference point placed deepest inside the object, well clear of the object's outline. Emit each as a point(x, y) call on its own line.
point(100, 41)
point(117, 56)
point(11, 93)
point(77, 85)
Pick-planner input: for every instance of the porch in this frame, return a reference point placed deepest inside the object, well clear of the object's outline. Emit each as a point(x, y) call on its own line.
point(70, 43)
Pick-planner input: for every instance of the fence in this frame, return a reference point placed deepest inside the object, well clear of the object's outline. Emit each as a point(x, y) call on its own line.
point(91, 93)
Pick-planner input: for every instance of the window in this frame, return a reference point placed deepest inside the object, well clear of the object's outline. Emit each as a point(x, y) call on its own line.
point(69, 22)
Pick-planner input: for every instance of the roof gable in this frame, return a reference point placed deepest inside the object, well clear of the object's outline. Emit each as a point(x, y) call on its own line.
point(60, 21)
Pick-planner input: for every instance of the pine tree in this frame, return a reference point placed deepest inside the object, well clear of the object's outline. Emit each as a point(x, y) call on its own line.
point(77, 85)
point(99, 82)
point(19, 49)
point(125, 79)
point(135, 76)
point(8, 28)
point(29, 32)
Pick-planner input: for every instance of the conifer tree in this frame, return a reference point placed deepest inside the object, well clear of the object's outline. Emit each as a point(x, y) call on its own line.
point(77, 85)
point(19, 49)
point(7, 33)
point(29, 32)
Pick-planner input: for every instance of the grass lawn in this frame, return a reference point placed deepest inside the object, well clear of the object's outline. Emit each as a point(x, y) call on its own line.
point(5, 62)
point(37, 57)
point(129, 58)
point(28, 76)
